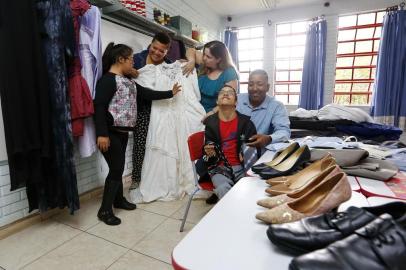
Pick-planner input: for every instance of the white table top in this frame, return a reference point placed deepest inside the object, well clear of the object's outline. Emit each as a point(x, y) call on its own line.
point(229, 237)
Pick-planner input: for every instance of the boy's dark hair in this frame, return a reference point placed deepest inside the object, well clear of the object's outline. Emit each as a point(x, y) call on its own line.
point(163, 38)
point(113, 52)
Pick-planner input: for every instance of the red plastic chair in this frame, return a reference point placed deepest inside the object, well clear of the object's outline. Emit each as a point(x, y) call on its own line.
point(195, 143)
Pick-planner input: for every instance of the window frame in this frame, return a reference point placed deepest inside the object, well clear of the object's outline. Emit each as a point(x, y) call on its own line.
point(288, 82)
point(250, 60)
point(373, 54)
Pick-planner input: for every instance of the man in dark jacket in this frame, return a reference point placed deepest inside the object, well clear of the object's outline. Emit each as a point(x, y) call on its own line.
point(225, 133)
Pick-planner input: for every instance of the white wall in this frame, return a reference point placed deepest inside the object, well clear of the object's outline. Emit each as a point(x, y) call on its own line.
point(337, 7)
point(92, 171)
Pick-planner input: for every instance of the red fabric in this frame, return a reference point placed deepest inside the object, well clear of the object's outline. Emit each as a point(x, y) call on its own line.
point(79, 92)
point(206, 186)
point(228, 134)
point(175, 265)
point(78, 7)
point(195, 143)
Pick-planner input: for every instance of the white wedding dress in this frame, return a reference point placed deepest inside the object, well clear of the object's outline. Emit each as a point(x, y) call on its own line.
point(167, 171)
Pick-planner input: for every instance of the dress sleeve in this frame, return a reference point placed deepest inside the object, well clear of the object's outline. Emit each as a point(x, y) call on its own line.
point(149, 94)
point(105, 90)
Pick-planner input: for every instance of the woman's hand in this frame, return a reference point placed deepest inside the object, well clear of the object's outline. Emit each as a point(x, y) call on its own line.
point(209, 150)
point(188, 68)
point(103, 143)
point(134, 73)
point(176, 89)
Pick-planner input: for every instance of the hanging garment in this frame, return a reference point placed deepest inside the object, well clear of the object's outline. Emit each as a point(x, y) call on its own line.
point(167, 171)
point(58, 42)
point(174, 51)
point(90, 52)
point(25, 104)
point(80, 99)
point(177, 51)
point(143, 116)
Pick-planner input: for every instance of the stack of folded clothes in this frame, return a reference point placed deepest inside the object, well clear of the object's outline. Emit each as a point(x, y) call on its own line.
point(353, 161)
point(336, 120)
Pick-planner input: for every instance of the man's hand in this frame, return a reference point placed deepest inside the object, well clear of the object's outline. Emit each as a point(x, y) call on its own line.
point(176, 89)
point(134, 73)
point(188, 68)
point(209, 150)
point(103, 143)
point(259, 140)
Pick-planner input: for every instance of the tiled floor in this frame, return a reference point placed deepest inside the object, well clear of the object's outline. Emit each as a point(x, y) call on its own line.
point(144, 240)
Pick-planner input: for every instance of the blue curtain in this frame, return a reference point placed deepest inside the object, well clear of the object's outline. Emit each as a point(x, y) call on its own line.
point(389, 97)
point(312, 88)
point(231, 41)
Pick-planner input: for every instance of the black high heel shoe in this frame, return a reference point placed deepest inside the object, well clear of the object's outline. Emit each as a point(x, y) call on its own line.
point(296, 159)
point(277, 159)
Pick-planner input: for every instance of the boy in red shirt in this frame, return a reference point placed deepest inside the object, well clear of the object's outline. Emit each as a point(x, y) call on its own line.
point(225, 133)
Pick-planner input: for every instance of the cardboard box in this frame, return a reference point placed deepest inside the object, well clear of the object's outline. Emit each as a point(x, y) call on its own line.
point(181, 24)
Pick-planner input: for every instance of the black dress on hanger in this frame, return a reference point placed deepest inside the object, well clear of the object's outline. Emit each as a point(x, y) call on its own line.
point(24, 94)
point(58, 44)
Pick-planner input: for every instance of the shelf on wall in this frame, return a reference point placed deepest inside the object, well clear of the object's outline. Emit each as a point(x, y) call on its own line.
point(115, 12)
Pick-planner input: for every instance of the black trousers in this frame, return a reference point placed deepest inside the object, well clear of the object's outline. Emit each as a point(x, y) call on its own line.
point(115, 158)
point(115, 155)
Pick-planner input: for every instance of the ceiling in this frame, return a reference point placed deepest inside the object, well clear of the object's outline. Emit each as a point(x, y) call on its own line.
point(236, 7)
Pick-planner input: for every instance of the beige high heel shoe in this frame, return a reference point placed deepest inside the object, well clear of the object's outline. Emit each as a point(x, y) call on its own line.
point(295, 184)
point(296, 194)
point(310, 171)
point(324, 197)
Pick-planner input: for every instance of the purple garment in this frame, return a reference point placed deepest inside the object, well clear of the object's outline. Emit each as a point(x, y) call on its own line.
point(90, 47)
point(174, 51)
point(90, 52)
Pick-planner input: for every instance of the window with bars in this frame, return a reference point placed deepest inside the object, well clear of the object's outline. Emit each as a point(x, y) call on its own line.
point(250, 52)
point(289, 55)
point(357, 52)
